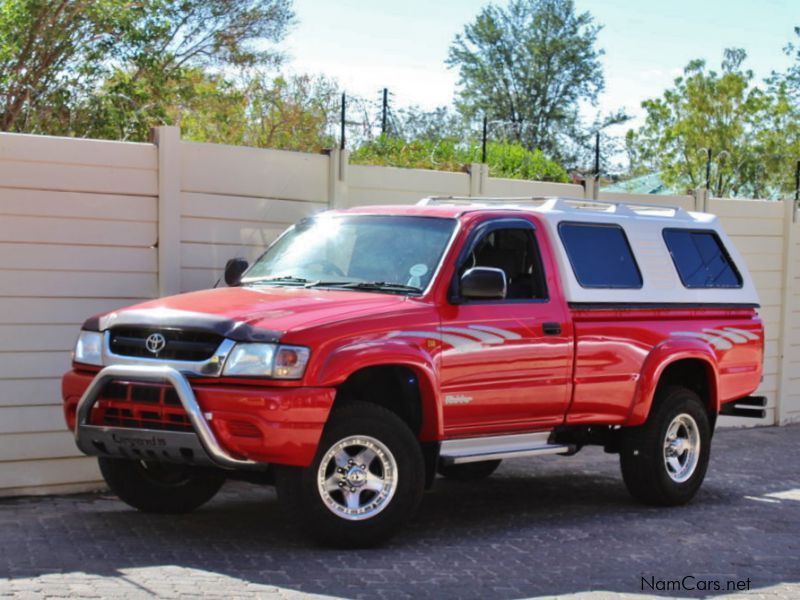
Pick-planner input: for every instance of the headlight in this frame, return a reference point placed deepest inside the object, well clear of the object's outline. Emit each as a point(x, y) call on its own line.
point(267, 360)
point(89, 349)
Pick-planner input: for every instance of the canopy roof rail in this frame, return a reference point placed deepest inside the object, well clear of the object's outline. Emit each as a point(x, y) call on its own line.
point(552, 203)
point(483, 200)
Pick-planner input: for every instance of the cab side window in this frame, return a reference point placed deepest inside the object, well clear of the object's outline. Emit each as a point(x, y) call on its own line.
point(515, 252)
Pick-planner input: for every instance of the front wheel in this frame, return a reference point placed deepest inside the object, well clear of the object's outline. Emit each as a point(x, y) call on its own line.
point(365, 481)
point(160, 487)
point(664, 461)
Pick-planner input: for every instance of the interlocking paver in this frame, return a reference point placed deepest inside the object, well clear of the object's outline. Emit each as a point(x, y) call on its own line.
point(547, 526)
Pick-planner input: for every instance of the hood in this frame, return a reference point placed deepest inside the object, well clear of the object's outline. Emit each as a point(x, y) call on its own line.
point(252, 314)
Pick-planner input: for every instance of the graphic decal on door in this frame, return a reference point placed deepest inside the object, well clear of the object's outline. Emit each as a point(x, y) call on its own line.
point(462, 339)
point(721, 339)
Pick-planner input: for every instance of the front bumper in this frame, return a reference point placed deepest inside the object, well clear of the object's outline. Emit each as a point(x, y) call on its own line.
point(287, 421)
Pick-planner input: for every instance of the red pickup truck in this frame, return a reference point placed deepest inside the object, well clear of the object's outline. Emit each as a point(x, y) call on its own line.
point(369, 349)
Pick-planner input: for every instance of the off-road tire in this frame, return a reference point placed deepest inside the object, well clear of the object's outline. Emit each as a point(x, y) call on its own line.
point(469, 471)
point(642, 451)
point(160, 487)
point(302, 498)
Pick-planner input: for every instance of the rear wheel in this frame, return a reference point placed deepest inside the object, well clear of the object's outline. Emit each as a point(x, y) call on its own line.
point(160, 487)
point(469, 471)
point(665, 460)
point(365, 481)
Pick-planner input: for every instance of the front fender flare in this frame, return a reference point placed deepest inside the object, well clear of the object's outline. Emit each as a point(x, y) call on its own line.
point(660, 357)
point(343, 362)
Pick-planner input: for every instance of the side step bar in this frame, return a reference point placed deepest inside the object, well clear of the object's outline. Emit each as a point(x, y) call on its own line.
point(467, 450)
point(753, 407)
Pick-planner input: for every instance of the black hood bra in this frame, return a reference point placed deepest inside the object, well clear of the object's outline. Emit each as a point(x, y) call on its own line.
point(160, 318)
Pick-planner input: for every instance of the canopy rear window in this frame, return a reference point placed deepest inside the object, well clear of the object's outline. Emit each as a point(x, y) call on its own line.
point(701, 259)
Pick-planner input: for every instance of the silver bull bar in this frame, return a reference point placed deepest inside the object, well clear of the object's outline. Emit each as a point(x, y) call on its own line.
point(200, 447)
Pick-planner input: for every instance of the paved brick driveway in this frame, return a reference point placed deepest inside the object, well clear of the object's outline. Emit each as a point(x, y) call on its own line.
point(547, 526)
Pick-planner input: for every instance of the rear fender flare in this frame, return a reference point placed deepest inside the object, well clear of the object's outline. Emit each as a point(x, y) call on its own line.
point(661, 357)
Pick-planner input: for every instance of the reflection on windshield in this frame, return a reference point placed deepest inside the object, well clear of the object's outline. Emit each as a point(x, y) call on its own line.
point(385, 253)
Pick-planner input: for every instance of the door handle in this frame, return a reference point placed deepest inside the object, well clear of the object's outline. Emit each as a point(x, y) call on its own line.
point(551, 328)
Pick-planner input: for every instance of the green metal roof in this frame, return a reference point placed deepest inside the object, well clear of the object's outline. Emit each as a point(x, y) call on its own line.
point(646, 184)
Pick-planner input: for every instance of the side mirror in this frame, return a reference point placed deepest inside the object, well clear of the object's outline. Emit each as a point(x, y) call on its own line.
point(234, 269)
point(486, 283)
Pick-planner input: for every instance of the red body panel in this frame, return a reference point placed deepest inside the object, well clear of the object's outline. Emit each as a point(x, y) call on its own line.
point(620, 356)
point(282, 309)
point(602, 368)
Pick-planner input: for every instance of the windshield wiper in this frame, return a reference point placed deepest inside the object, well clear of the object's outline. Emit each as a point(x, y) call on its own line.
point(379, 285)
point(282, 279)
point(357, 285)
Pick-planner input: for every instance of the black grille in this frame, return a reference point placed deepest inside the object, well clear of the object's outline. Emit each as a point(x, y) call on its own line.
point(180, 344)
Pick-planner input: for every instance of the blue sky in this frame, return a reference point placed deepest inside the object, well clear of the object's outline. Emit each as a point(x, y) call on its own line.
point(368, 45)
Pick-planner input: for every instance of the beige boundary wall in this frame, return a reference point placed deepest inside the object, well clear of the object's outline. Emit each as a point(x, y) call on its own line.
point(87, 226)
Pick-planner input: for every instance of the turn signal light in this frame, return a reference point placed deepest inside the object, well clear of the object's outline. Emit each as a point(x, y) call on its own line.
point(287, 357)
point(290, 362)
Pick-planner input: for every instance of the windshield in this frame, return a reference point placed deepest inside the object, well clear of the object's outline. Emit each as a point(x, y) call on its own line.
point(386, 253)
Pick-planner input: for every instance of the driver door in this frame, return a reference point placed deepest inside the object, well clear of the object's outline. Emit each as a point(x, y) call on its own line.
point(506, 364)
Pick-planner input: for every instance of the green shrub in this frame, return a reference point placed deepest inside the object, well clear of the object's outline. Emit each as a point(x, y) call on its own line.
point(504, 159)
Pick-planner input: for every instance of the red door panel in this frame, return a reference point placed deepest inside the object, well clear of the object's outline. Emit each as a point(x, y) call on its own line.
point(500, 372)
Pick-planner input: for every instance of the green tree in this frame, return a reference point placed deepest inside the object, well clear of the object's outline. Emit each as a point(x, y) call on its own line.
point(781, 141)
point(292, 113)
point(790, 79)
point(530, 65)
point(55, 54)
point(206, 106)
point(743, 125)
point(48, 51)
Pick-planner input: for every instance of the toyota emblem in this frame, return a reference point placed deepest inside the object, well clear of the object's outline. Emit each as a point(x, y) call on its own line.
point(155, 343)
